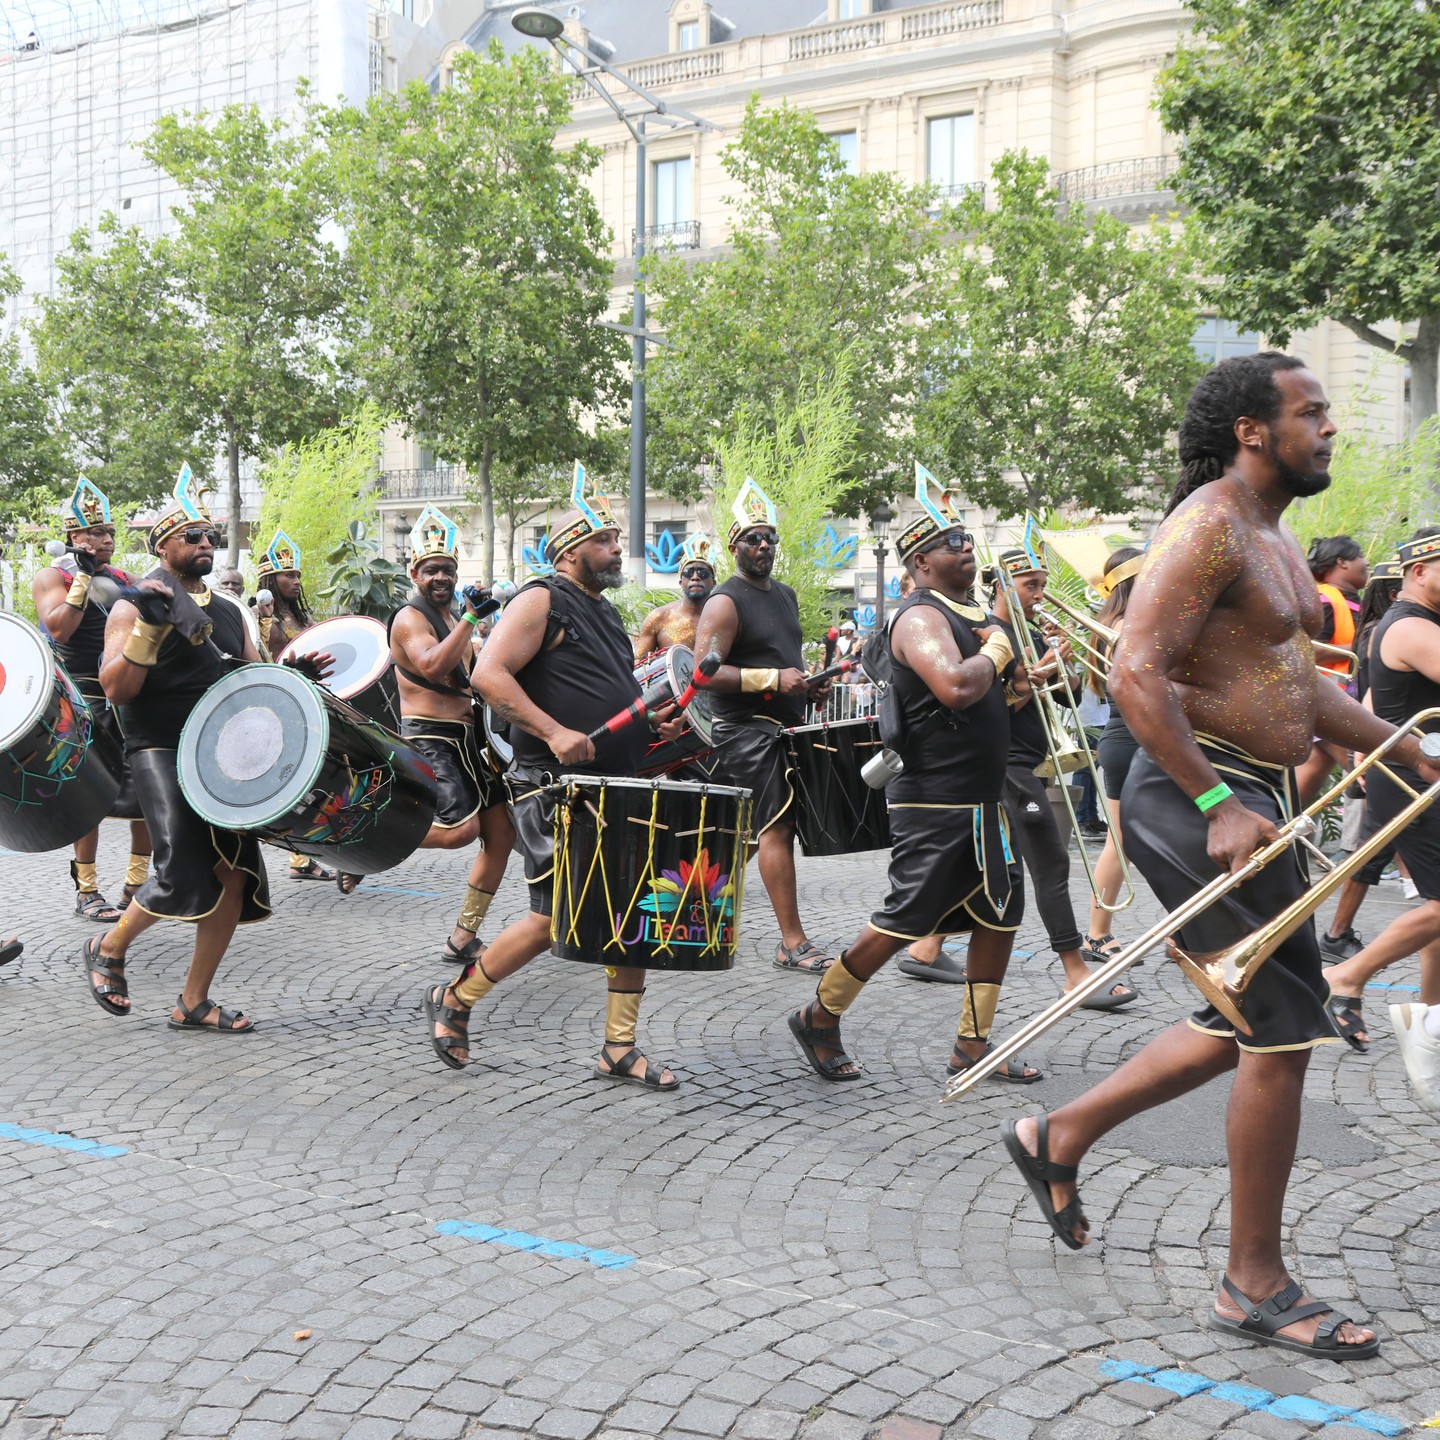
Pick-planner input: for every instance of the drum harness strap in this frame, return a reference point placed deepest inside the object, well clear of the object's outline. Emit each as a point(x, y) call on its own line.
point(463, 688)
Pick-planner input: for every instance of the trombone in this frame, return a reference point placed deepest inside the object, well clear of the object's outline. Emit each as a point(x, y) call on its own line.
point(1064, 752)
point(1223, 976)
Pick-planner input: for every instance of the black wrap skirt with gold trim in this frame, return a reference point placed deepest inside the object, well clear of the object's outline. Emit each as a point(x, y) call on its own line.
point(126, 806)
point(754, 756)
point(532, 812)
point(183, 884)
point(1166, 839)
point(462, 767)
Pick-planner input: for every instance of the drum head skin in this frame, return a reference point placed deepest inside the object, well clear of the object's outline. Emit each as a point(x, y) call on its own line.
point(27, 670)
point(360, 647)
point(253, 747)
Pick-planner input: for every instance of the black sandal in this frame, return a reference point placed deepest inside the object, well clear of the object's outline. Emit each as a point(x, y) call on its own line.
point(1012, 1070)
point(1096, 949)
point(114, 972)
point(453, 1018)
point(311, 870)
point(807, 958)
point(347, 883)
point(1349, 1020)
point(127, 894)
point(1263, 1322)
point(195, 1019)
point(11, 950)
point(92, 905)
point(468, 953)
point(811, 1037)
point(620, 1070)
point(1040, 1171)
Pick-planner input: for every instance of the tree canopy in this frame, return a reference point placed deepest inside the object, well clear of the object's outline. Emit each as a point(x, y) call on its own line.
point(32, 463)
point(1311, 163)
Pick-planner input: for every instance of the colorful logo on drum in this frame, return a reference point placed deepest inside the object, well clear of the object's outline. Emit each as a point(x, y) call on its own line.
point(69, 736)
point(690, 906)
point(347, 813)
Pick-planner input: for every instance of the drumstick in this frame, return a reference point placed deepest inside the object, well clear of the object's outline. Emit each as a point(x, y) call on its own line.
point(832, 638)
point(656, 696)
point(832, 672)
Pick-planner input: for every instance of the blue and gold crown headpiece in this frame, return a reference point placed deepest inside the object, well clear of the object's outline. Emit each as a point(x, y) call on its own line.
point(589, 514)
point(752, 508)
point(282, 554)
point(434, 533)
point(187, 507)
point(698, 549)
point(937, 515)
point(88, 505)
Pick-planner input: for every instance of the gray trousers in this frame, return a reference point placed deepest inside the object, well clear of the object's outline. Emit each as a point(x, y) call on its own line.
point(1033, 831)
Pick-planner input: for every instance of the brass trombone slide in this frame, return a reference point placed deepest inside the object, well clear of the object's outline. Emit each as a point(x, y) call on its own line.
point(1222, 977)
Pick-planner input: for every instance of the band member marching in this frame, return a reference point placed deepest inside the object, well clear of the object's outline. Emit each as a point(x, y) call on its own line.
point(1216, 678)
point(753, 622)
point(162, 652)
point(951, 866)
point(558, 650)
point(674, 623)
point(433, 658)
point(73, 597)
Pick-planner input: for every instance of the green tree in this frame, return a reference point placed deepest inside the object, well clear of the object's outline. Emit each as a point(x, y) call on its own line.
point(1059, 351)
point(317, 488)
point(32, 465)
point(823, 262)
point(1311, 164)
point(478, 256)
point(239, 306)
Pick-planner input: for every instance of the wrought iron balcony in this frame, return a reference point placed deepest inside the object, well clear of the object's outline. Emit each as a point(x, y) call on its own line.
point(439, 482)
point(681, 235)
point(1118, 178)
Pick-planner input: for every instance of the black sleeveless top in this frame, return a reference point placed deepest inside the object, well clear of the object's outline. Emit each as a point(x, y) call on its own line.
point(769, 636)
point(183, 672)
point(588, 677)
point(1399, 694)
point(959, 763)
point(1027, 726)
point(81, 653)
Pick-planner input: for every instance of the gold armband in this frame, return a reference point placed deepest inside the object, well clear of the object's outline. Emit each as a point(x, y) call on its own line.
point(267, 623)
point(997, 651)
point(144, 642)
point(79, 591)
point(754, 681)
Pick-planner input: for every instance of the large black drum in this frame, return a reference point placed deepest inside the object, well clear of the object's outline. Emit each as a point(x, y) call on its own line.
point(59, 768)
point(648, 872)
point(267, 751)
point(688, 754)
point(836, 812)
point(363, 674)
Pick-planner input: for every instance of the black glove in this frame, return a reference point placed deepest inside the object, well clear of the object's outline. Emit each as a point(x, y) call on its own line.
point(479, 601)
point(307, 665)
point(154, 606)
point(85, 562)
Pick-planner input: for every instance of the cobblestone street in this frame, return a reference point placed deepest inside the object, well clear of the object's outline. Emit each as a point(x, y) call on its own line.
point(319, 1231)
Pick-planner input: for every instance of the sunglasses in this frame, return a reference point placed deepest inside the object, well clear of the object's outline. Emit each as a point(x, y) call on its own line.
point(196, 533)
point(759, 537)
point(953, 540)
point(695, 572)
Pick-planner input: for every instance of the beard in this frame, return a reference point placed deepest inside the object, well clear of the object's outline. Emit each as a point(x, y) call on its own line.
point(758, 567)
point(611, 578)
point(1298, 483)
point(196, 566)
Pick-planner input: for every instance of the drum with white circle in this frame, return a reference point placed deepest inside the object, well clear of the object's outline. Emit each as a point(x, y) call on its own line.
point(687, 756)
point(363, 673)
point(59, 769)
point(268, 751)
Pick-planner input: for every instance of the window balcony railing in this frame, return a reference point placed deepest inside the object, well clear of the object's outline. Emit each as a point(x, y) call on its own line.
point(1119, 177)
point(439, 482)
point(679, 235)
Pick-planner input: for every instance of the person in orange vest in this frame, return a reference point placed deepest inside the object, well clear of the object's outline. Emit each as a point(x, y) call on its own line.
point(1340, 569)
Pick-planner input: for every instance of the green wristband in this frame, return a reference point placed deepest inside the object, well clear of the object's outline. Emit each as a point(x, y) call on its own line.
point(470, 618)
point(1211, 798)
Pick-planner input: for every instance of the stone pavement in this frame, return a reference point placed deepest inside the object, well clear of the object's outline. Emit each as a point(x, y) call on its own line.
point(318, 1231)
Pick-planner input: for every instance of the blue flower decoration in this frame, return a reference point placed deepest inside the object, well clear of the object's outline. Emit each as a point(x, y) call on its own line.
point(833, 553)
point(666, 554)
point(534, 556)
point(865, 617)
point(892, 588)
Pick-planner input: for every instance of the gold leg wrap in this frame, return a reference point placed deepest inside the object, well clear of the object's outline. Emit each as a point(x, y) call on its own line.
point(137, 871)
point(981, 1000)
point(474, 984)
point(472, 912)
point(83, 873)
point(622, 1010)
point(838, 989)
point(298, 862)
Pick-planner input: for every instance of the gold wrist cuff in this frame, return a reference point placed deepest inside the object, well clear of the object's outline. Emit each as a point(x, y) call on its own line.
point(753, 681)
point(144, 642)
point(79, 591)
point(997, 650)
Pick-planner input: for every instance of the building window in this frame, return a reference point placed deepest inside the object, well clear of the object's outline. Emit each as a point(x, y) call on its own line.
point(1216, 340)
point(688, 35)
point(672, 194)
point(849, 143)
point(950, 153)
point(851, 9)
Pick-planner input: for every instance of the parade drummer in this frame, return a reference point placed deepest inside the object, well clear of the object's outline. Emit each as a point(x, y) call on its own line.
point(753, 622)
point(674, 623)
point(163, 651)
point(434, 658)
point(73, 597)
point(952, 869)
point(280, 620)
point(558, 650)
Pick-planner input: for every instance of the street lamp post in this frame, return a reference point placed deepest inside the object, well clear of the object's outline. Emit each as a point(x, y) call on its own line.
point(540, 24)
point(880, 518)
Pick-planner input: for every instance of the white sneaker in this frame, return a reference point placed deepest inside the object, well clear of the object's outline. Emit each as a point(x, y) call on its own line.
point(1420, 1051)
point(1408, 888)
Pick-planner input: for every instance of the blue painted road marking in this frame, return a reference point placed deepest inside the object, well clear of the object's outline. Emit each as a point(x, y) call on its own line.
point(1285, 1407)
point(60, 1142)
point(537, 1244)
point(1380, 985)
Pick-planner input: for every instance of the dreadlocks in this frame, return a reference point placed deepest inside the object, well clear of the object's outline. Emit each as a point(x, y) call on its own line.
point(1244, 385)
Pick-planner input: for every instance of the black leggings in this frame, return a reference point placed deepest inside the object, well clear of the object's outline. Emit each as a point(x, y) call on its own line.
point(1033, 829)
